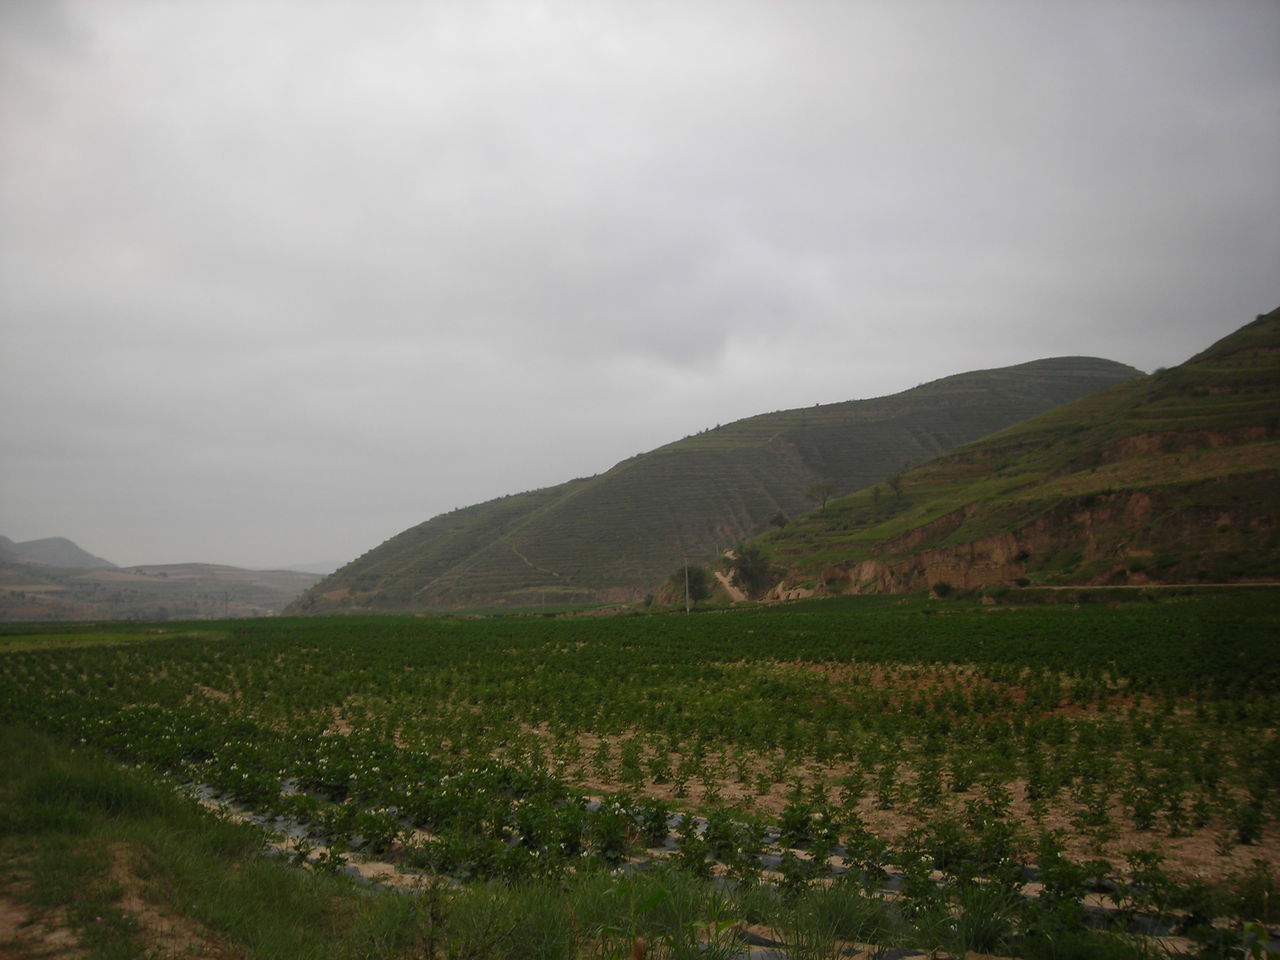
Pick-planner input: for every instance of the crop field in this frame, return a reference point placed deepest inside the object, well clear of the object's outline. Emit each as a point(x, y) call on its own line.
point(1041, 768)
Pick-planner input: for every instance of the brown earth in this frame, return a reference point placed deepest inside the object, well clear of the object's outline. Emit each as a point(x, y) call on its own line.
point(1198, 853)
point(1002, 559)
point(28, 934)
point(164, 933)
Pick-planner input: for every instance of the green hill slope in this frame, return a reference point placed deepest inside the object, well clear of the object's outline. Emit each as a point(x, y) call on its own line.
point(1172, 478)
point(616, 536)
point(55, 551)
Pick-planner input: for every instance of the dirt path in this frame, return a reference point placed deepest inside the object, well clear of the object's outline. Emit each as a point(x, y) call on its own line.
point(27, 935)
point(529, 563)
point(736, 595)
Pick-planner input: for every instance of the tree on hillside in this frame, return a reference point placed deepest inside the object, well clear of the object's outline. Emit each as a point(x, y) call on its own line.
point(699, 586)
point(750, 571)
point(895, 481)
point(779, 520)
point(822, 491)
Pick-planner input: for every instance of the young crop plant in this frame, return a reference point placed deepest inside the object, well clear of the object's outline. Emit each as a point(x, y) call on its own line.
point(525, 749)
point(692, 850)
point(652, 818)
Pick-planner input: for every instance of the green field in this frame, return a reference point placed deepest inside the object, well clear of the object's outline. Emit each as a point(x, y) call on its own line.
point(966, 776)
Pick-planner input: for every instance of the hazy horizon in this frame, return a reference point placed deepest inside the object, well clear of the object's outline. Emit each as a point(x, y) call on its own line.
point(279, 280)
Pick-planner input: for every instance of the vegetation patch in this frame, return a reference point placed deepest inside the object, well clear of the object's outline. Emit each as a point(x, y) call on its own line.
point(1182, 465)
point(933, 774)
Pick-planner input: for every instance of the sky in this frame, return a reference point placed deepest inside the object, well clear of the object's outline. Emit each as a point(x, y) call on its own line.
point(282, 278)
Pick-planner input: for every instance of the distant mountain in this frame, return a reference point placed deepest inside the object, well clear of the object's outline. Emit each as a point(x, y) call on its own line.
point(1173, 478)
point(616, 536)
point(321, 567)
point(55, 551)
point(187, 591)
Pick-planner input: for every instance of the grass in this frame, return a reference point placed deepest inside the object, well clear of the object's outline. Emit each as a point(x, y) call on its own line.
point(109, 853)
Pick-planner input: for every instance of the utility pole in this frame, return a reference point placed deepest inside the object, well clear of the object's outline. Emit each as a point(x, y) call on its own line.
point(686, 584)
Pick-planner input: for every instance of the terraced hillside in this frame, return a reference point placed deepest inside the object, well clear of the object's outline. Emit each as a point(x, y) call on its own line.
point(616, 536)
point(1172, 478)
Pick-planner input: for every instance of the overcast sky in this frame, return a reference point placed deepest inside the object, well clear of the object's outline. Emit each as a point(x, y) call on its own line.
point(279, 280)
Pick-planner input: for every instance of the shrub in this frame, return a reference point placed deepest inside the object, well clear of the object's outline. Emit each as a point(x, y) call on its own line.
point(652, 818)
point(1256, 892)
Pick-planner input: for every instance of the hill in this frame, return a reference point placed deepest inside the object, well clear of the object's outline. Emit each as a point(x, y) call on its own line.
point(616, 536)
point(188, 591)
point(1173, 478)
point(55, 551)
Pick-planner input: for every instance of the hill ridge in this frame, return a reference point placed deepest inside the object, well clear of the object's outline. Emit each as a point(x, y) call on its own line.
point(1170, 478)
point(615, 536)
point(147, 591)
point(54, 551)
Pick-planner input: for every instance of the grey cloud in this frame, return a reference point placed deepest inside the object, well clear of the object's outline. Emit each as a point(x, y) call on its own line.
point(294, 259)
